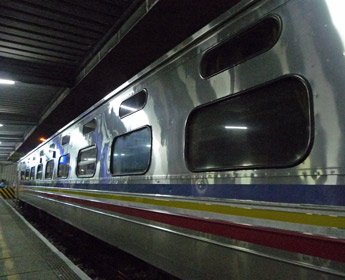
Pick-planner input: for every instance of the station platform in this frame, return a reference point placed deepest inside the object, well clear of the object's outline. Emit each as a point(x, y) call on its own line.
point(26, 254)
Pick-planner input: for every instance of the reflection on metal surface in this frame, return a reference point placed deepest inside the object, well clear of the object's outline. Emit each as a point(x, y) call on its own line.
point(336, 9)
point(7, 82)
point(216, 213)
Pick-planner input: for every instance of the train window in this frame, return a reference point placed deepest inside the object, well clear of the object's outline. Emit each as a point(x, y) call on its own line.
point(49, 169)
point(133, 104)
point(65, 140)
point(89, 127)
point(86, 164)
point(131, 152)
point(269, 126)
point(32, 173)
point(247, 44)
point(22, 175)
point(63, 166)
point(27, 174)
point(39, 171)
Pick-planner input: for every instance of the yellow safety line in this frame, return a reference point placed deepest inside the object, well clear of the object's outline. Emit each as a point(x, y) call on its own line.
point(292, 217)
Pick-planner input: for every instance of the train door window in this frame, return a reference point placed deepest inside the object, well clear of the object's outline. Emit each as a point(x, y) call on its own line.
point(63, 166)
point(131, 152)
point(247, 44)
point(39, 171)
point(133, 104)
point(89, 127)
point(32, 173)
point(269, 126)
point(49, 169)
point(86, 164)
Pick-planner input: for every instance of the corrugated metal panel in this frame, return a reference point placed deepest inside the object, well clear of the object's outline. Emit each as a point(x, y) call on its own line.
point(43, 45)
point(52, 38)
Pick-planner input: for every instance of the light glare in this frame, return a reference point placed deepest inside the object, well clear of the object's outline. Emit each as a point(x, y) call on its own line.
point(235, 127)
point(7, 82)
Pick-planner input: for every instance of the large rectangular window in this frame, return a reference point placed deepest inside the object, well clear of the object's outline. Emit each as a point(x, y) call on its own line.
point(63, 166)
point(268, 126)
point(49, 169)
point(131, 152)
point(86, 164)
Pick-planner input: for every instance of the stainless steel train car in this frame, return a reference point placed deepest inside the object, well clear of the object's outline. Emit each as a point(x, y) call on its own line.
point(224, 159)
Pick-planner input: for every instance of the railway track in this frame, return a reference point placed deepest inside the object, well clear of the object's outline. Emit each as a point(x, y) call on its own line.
point(96, 258)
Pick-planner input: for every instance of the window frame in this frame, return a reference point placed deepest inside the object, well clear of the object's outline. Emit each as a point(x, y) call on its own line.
point(39, 165)
point(89, 126)
point(78, 161)
point(113, 147)
point(142, 107)
point(45, 171)
point(32, 175)
point(235, 36)
point(69, 165)
point(297, 161)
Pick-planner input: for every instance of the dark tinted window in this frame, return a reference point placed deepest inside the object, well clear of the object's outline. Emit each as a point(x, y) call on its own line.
point(49, 169)
point(39, 171)
point(63, 167)
point(133, 104)
point(22, 175)
point(266, 127)
point(131, 153)
point(243, 46)
point(32, 173)
point(65, 140)
point(86, 165)
point(27, 174)
point(89, 127)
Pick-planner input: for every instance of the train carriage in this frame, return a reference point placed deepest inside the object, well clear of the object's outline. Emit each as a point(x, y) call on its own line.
point(224, 159)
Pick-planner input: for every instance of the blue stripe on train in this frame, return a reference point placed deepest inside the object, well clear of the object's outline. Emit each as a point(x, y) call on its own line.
point(299, 194)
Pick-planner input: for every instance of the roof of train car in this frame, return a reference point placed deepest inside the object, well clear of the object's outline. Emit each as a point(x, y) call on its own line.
point(65, 56)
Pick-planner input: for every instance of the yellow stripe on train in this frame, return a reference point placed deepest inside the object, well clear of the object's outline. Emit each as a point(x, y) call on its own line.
point(314, 219)
point(7, 193)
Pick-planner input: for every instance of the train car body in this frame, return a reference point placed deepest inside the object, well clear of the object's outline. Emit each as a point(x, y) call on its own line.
point(224, 159)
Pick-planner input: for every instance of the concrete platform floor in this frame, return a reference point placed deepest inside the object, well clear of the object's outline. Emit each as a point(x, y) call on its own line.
point(26, 254)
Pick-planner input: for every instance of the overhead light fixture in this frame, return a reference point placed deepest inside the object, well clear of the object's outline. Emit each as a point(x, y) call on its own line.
point(1, 125)
point(7, 82)
point(236, 127)
point(42, 139)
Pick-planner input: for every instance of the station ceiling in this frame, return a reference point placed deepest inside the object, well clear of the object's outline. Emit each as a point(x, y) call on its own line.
point(65, 55)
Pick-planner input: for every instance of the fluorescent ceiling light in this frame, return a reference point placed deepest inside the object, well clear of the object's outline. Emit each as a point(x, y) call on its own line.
point(235, 127)
point(7, 82)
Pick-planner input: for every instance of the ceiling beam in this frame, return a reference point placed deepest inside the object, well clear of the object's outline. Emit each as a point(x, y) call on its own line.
point(16, 119)
point(11, 138)
point(37, 73)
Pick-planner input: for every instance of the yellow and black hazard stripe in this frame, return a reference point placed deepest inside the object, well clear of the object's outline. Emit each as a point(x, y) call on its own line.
point(7, 193)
